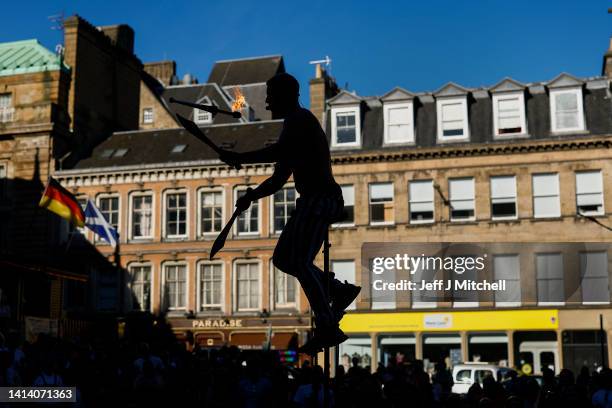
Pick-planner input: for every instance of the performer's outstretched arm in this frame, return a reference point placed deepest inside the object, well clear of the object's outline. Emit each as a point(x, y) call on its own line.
point(272, 184)
point(269, 186)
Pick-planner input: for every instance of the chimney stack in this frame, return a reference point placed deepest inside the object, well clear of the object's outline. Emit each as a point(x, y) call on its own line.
point(322, 88)
point(162, 70)
point(121, 36)
point(607, 62)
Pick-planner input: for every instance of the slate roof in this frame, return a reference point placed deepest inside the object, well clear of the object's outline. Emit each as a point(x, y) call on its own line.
point(27, 56)
point(597, 106)
point(152, 147)
point(195, 93)
point(246, 70)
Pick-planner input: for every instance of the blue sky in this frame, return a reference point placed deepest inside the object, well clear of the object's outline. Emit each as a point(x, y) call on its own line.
point(374, 46)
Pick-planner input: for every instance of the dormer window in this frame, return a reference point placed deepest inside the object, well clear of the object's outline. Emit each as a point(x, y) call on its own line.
point(398, 117)
point(345, 127)
point(452, 112)
point(200, 116)
point(566, 110)
point(509, 114)
point(452, 118)
point(509, 118)
point(345, 120)
point(566, 105)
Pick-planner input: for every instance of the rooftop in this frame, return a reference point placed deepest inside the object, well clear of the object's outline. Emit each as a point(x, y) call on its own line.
point(27, 56)
point(246, 70)
point(157, 147)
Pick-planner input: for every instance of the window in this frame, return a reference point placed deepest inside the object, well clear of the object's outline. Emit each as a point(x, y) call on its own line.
point(283, 204)
point(346, 127)
point(509, 114)
point(201, 116)
point(211, 286)
point(381, 203)
point(247, 286)
point(120, 152)
point(549, 274)
point(345, 270)
point(211, 212)
point(107, 153)
point(464, 376)
point(421, 201)
point(422, 299)
point(566, 110)
point(506, 267)
point(589, 193)
point(179, 148)
point(142, 216)
point(594, 277)
point(109, 208)
point(464, 297)
point(462, 199)
point(147, 115)
point(399, 126)
point(176, 214)
point(503, 197)
point(285, 289)
point(141, 287)
point(546, 195)
point(452, 119)
point(383, 299)
point(175, 286)
point(348, 196)
point(6, 107)
point(248, 221)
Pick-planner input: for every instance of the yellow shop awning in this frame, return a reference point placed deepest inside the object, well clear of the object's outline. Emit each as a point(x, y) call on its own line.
point(497, 320)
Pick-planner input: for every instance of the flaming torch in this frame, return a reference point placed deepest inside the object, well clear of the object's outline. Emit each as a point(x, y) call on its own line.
point(239, 101)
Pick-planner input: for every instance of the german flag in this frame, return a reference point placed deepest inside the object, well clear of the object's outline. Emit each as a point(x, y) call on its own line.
point(59, 200)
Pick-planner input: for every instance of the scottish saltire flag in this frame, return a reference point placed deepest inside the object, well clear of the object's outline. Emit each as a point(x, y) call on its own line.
point(95, 221)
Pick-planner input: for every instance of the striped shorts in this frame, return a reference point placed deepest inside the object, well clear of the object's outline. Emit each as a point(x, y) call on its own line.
point(299, 243)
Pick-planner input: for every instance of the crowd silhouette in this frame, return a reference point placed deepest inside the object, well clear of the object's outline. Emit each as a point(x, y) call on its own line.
point(162, 372)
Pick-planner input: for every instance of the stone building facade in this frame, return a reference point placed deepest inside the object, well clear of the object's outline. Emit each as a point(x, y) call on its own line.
point(50, 116)
point(525, 163)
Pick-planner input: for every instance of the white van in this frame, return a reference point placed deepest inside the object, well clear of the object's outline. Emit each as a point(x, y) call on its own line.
point(466, 374)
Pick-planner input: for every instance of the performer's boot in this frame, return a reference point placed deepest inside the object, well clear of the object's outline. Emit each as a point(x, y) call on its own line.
point(323, 337)
point(342, 297)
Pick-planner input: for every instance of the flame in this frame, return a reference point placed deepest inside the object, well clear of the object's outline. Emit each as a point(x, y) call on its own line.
point(239, 100)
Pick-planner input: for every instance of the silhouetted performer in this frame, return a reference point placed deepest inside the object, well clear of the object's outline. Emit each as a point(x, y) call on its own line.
point(302, 150)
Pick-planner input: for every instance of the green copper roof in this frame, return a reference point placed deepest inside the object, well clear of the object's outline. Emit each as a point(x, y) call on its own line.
point(22, 57)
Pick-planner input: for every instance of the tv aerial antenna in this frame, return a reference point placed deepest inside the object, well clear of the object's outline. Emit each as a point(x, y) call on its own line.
point(57, 24)
point(325, 61)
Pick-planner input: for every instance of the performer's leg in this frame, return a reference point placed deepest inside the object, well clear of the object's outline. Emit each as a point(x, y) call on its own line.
point(296, 250)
